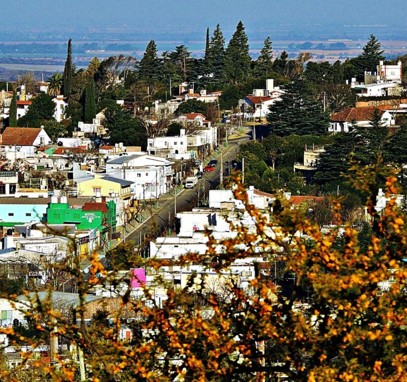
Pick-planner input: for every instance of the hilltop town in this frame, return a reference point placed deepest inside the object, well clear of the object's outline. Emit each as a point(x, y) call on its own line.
point(221, 219)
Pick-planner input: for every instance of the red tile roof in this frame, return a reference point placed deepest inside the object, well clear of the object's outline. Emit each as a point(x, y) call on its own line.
point(106, 147)
point(67, 150)
point(20, 136)
point(24, 102)
point(258, 99)
point(95, 207)
point(354, 114)
point(299, 199)
point(194, 115)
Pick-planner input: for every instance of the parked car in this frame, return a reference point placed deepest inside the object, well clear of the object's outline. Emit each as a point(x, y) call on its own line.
point(209, 168)
point(191, 182)
point(213, 162)
point(199, 174)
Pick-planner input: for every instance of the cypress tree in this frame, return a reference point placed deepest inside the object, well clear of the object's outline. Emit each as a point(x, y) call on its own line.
point(237, 58)
point(12, 120)
point(90, 102)
point(68, 71)
point(207, 45)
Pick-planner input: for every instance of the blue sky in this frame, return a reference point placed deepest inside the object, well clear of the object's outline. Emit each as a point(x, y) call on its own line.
point(263, 16)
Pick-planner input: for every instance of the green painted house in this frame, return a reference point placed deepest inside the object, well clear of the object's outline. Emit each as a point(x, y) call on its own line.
point(93, 215)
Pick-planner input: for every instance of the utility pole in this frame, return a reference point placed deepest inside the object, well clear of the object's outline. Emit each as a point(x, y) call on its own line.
point(243, 170)
point(221, 171)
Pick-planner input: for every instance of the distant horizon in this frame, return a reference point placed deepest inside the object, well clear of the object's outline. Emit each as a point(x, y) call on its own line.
point(189, 18)
point(101, 30)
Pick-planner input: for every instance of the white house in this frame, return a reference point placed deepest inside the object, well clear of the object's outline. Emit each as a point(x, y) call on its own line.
point(22, 107)
point(24, 140)
point(361, 116)
point(60, 106)
point(196, 119)
point(169, 147)
point(391, 73)
point(152, 176)
point(261, 99)
point(378, 89)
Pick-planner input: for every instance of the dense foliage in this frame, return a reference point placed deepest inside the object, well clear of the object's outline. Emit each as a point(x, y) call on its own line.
point(316, 312)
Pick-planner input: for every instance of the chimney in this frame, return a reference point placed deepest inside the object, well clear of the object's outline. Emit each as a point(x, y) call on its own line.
point(269, 85)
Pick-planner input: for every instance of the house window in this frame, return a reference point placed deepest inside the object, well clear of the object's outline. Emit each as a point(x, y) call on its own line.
point(175, 143)
point(181, 143)
point(11, 214)
point(28, 214)
point(97, 190)
point(6, 315)
point(138, 175)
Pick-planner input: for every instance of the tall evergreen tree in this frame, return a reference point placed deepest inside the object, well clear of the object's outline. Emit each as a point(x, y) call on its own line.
point(149, 66)
point(68, 71)
point(298, 112)
point(12, 119)
point(371, 139)
point(181, 59)
point(207, 45)
point(216, 55)
point(264, 63)
point(369, 59)
point(90, 102)
point(237, 58)
point(280, 64)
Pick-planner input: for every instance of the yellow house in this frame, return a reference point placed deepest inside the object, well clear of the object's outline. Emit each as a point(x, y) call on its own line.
point(101, 185)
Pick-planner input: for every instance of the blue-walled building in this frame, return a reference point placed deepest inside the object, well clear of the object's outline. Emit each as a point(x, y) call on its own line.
point(17, 211)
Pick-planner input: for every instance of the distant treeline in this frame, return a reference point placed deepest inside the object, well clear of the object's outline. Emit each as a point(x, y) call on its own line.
point(56, 48)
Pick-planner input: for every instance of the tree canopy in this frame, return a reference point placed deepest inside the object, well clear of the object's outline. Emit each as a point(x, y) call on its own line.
point(298, 112)
point(237, 58)
point(41, 110)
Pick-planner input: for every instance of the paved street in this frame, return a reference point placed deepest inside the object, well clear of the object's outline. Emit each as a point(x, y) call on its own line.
point(160, 218)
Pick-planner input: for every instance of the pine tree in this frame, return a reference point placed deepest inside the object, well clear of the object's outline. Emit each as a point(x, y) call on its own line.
point(216, 55)
point(68, 71)
point(264, 63)
point(371, 139)
point(12, 121)
point(237, 58)
point(90, 102)
point(369, 59)
point(149, 66)
point(280, 64)
point(182, 61)
point(298, 112)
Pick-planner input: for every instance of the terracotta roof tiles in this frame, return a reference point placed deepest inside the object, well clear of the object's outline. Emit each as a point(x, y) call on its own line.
point(354, 114)
point(20, 136)
point(95, 207)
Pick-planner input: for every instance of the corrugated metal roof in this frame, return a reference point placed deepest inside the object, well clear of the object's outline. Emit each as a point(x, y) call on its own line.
point(123, 159)
point(122, 182)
